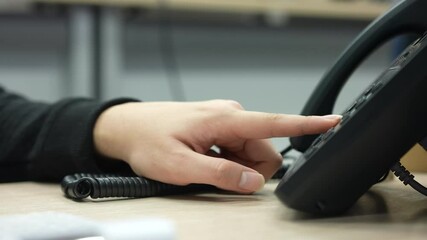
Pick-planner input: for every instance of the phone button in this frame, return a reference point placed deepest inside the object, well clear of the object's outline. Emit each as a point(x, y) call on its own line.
point(360, 102)
point(376, 86)
point(372, 89)
point(344, 118)
point(309, 152)
point(351, 108)
point(328, 134)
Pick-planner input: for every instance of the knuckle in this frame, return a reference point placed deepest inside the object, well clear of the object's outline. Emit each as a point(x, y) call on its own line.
point(216, 111)
point(305, 125)
point(273, 116)
point(225, 104)
point(235, 104)
point(180, 157)
point(222, 173)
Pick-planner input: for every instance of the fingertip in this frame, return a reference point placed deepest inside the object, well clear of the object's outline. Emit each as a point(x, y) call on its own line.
point(325, 121)
point(251, 181)
point(334, 117)
point(226, 174)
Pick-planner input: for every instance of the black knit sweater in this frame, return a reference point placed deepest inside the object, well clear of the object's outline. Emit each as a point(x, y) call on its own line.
point(45, 142)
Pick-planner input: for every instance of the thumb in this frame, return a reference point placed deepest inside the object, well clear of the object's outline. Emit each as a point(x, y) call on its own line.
point(225, 174)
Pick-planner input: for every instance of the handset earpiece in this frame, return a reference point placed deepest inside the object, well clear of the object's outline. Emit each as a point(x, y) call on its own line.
point(403, 18)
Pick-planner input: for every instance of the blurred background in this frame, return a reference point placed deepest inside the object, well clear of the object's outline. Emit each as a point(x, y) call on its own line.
point(267, 54)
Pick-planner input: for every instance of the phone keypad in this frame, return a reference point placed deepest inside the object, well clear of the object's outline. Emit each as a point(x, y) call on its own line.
point(368, 94)
point(356, 105)
point(328, 134)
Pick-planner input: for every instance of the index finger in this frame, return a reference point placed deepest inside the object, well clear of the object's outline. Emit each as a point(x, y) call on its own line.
point(257, 125)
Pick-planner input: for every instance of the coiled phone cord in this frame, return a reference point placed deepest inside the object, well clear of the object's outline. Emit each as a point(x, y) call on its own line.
point(407, 178)
point(81, 185)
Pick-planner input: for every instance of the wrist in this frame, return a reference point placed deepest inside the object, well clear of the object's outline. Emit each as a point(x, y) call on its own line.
point(106, 137)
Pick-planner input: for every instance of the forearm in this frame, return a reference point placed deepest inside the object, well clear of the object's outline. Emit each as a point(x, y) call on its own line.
point(47, 141)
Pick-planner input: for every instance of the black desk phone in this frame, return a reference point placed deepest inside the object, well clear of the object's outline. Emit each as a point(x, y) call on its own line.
point(385, 121)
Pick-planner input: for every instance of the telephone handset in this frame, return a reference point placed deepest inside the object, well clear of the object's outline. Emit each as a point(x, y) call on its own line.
point(385, 121)
point(406, 17)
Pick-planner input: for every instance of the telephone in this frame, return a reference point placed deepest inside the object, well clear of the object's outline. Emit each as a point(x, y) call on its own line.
point(376, 130)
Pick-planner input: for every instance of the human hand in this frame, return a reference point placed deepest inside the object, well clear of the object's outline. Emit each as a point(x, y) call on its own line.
point(172, 141)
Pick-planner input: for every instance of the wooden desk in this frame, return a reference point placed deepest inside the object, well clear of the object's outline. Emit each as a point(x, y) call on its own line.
point(361, 9)
point(389, 211)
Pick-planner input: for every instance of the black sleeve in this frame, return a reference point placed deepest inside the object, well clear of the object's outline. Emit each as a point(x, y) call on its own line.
point(45, 142)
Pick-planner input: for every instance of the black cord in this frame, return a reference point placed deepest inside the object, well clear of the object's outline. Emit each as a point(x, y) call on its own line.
point(407, 178)
point(168, 52)
point(286, 163)
point(81, 185)
point(286, 150)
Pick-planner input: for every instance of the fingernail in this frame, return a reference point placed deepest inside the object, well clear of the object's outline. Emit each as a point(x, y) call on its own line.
point(333, 117)
point(251, 181)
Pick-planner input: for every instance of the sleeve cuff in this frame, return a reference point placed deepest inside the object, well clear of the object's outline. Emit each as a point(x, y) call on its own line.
point(66, 142)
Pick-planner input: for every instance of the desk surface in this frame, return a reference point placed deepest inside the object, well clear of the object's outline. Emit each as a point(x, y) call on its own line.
point(389, 211)
point(361, 9)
